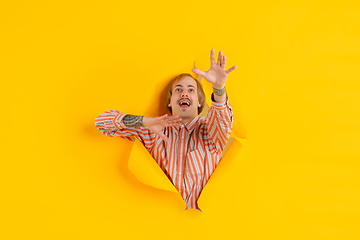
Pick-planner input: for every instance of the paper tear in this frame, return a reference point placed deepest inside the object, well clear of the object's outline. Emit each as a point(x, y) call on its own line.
point(146, 170)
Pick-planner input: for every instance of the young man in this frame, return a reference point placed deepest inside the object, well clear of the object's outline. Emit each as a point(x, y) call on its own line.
point(187, 147)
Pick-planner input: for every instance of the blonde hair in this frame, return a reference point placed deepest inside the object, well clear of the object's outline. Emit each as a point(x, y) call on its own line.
point(200, 92)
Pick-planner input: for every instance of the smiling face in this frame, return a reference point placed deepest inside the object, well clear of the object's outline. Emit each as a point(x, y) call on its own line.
point(184, 99)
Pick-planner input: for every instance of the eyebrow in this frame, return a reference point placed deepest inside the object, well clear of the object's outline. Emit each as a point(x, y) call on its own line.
point(182, 86)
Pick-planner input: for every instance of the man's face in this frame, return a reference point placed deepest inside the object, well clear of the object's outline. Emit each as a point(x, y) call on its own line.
point(184, 100)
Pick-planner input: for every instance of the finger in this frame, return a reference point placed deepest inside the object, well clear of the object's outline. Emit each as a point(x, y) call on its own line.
point(199, 72)
point(175, 125)
point(231, 69)
point(174, 119)
point(170, 122)
point(224, 62)
point(212, 56)
point(173, 122)
point(219, 58)
point(171, 119)
point(166, 139)
point(163, 117)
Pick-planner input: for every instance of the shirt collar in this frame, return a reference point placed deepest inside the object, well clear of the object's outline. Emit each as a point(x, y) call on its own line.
point(190, 125)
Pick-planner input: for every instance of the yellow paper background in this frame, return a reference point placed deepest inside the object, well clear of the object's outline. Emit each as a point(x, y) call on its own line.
point(295, 96)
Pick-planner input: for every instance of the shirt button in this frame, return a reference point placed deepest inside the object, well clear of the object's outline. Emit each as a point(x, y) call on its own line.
point(182, 137)
point(180, 155)
point(179, 173)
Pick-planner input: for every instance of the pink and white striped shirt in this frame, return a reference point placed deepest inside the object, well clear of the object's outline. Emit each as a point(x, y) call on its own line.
point(192, 153)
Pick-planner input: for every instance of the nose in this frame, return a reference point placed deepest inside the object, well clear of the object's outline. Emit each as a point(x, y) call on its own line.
point(184, 94)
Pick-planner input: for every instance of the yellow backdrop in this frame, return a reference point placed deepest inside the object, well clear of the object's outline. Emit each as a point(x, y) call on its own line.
point(295, 96)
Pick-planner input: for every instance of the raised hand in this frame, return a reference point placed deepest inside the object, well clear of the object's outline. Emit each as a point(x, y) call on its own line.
point(157, 124)
point(216, 75)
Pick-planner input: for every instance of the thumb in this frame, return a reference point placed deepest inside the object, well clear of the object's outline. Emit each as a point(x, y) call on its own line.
point(162, 117)
point(163, 137)
point(197, 71)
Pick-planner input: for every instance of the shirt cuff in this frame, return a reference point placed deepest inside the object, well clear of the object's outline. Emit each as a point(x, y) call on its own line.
point(219, 105)
point(117, 121)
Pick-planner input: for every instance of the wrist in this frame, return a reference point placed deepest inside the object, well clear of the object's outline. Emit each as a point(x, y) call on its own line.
point(146, 121)
point(219, 91)
point(216, 86)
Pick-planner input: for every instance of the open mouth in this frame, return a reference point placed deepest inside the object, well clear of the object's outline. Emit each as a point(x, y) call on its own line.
point(184, 104)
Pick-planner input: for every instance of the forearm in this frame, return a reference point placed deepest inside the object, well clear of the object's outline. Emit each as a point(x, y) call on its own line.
point(219, 123)
point(135, 121)
point(219, 93)
point(110, 124)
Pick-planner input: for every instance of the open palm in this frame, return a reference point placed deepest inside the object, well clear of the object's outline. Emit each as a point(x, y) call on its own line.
point(216, 75)
point(157, 124)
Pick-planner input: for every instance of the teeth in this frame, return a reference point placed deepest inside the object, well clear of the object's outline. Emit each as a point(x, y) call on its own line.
point(184, 101)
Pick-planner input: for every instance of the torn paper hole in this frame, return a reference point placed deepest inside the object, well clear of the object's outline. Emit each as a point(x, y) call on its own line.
point(147, 171)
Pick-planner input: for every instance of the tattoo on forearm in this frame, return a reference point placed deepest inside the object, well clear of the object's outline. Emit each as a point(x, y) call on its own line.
point(219, 92)
point(133, 121)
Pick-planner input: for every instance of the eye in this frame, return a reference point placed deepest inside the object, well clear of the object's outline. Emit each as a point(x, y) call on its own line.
point(177, 89)
point(191, 90)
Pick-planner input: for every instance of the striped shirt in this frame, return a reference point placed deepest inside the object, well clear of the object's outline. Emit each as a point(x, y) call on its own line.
point(192, 153)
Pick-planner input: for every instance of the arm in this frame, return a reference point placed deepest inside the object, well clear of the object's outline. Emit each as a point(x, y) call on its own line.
point(113, 123)
point(220, 117)
point(219, 122)
point(110, 123)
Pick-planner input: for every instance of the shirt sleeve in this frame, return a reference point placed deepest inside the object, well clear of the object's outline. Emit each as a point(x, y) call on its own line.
point(219, 123)
point(110, 123)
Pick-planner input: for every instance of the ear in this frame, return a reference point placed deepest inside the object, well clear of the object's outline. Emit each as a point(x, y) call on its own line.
point(169, 105)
